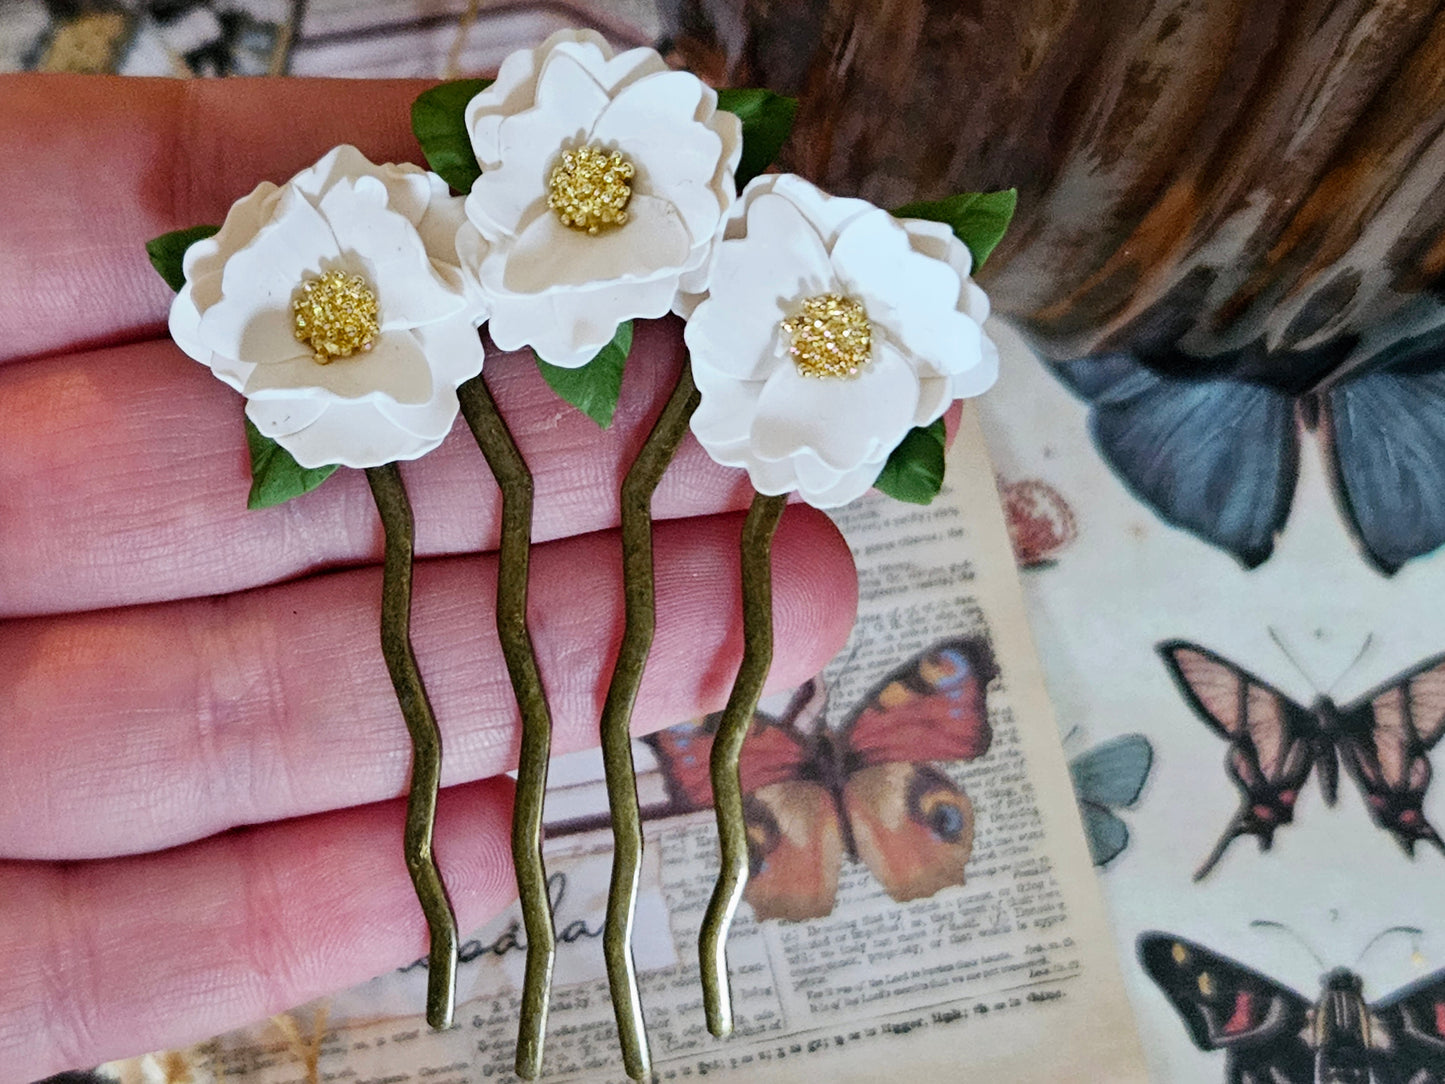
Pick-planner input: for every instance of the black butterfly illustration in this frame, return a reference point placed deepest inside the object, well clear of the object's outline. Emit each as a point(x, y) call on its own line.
point(1212, 444)
point(1274, 744)
point(1274, 1035)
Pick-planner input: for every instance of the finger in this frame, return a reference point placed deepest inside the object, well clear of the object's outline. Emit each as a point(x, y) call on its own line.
point(95, 167)
point(112, 959)
point(124, 474)
point(140, 729)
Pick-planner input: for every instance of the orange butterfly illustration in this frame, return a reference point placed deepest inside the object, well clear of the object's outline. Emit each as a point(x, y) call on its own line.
point(868, 790)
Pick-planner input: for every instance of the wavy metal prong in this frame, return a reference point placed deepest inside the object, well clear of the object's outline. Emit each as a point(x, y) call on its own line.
point(421, 802)
point(639, 625)
point(515, 480)
point(757, 583)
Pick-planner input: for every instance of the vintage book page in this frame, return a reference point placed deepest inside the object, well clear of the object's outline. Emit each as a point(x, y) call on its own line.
point(1010, 976)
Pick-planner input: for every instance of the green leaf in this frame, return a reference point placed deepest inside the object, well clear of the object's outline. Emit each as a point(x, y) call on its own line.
point(978, 219)
point(439, 119)
point(169, 249)
point(767, 119)
point(914, 472)
point(593, 388)
point(275, 476)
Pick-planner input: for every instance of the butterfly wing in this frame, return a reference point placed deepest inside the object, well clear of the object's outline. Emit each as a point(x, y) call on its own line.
point(795, 850)
point(931, 708)
point(906, 820)
point(1226, 1006)
point(774, 750)
point(1216, 457)
point(1273, 742)
point(1383, 738)
point(1385, 438)
point(1413, 1022)
point(795, 838)
point(1110, 776)
point(911, 825)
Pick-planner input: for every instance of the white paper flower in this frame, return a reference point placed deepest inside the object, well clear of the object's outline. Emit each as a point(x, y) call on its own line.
point(335, 304)
point(605, 182)
point(829, 330)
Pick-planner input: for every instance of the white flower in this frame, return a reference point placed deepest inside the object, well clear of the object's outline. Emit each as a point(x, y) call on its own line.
point(829, 330)
point(390, 330)
point(559, 287)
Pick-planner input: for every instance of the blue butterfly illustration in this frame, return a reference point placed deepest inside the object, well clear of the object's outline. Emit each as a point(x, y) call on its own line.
point(1212, 444)
point(1110, 776)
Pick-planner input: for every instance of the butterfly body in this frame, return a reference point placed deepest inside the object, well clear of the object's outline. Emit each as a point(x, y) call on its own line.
point(867, 791)
point(1274, 1035)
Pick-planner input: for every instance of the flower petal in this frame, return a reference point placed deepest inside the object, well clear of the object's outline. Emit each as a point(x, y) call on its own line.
point(431, 420)
point(453, 348)
point(250, 335)
point(548, 254)
point(755, 283)
point(833, 490)
point(392, 256)
point(206, 259)
point(724, 415)
point(337, 164)
point(441, 218)
point(935, 393)
point(845, 422)
point(828, 214)
point(185, 326)
point(353, 434)
point(911, 295)
point(290, 245)
point(395, 367)
point(514, 188)
point(281, 417)
point(978, 378)
point(770, 478)
point(567, 327)
point(613, 73)
point(652, 123)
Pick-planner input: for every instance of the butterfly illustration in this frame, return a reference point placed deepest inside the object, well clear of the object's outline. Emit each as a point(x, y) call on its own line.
point(1212, 444)
point(1274, 744)
point(1274, 1035)
point(1107, 777)
point(1040, 522)
point(867, 790)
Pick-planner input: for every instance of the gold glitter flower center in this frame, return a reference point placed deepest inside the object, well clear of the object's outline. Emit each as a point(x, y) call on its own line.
point(831, 336)
point(589, 188)
point(336, 315)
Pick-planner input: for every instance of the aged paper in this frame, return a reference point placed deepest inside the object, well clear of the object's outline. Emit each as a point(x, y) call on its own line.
point(1009, 976)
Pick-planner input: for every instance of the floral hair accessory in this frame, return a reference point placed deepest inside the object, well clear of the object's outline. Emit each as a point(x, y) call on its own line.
point(829, 331)
point(335, 304)
point(605, 180)
point(827, 338)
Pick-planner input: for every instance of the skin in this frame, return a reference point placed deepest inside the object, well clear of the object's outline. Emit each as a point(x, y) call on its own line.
point(200, 822)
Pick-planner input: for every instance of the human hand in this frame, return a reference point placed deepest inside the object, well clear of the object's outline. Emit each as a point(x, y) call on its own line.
point(200, 821)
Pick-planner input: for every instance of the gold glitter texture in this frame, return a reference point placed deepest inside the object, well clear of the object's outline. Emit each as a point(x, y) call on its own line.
point(831, 336)
point(589, 188)
point(336, 315)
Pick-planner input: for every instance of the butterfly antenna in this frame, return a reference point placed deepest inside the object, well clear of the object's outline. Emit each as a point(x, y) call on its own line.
point(1288, 654)
point(1267, 924)
point(1414, 931)
point(1369, 639)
